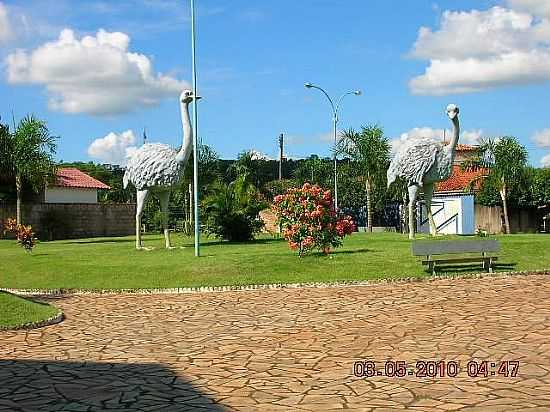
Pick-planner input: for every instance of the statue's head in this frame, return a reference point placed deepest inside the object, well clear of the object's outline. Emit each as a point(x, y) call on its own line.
point(452, 111)
point(187, 96)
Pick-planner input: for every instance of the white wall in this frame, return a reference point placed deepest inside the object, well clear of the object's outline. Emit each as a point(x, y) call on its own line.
point(452, 215)
point(70, 195)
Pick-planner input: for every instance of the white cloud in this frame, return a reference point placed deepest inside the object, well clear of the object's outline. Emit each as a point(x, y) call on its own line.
point(470, 137)
point(545, 161)
point(257, 155)
point(113, 148)
point(542, 138)
point(6, 32)
point(536, 7)
point(476, 50)
point(95, 74)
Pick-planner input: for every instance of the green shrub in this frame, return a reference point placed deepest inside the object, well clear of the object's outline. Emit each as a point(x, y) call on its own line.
point(232, 211)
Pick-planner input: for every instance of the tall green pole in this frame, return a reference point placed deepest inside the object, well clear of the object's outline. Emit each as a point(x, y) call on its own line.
point(195, 127)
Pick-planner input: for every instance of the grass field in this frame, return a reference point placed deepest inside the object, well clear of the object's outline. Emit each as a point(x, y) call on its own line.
point(16, 311)
point(113, 263)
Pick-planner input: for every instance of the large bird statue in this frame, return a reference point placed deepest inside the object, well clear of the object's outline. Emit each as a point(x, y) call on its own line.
point(155, 168)
point(421, 162)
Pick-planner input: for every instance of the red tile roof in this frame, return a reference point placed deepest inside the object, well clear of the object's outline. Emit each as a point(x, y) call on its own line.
point(460, 180)
point(72, 177)
point(466, 148)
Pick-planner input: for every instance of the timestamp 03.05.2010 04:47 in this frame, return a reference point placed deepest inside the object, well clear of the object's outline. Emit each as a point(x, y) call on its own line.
point(436, 368)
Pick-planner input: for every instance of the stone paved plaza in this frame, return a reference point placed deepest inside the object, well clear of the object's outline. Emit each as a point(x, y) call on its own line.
point(286, 350)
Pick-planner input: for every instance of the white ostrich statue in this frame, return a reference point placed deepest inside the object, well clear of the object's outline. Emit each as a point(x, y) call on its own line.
point(421, 162)
point(155, 168)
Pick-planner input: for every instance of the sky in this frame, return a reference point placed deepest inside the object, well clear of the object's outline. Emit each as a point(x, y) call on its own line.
point(99, 72)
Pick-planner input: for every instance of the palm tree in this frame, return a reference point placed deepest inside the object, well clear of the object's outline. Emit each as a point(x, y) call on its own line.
point(370, 150)
point(506, 160)
point(27, 156)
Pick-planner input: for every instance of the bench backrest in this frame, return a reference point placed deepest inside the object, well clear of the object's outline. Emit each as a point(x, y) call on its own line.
point(443, 247)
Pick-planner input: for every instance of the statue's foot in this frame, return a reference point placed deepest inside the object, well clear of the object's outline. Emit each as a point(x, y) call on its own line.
point(171, 247)
point(147, 249)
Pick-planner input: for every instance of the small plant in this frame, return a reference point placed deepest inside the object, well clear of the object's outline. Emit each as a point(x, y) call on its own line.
point(10, 226)
point(481, 232)
point(309, 221)
point(23, 233)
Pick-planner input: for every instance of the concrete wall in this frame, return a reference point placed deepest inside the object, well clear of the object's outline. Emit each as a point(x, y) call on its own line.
point(56, 194)
point(74, 220)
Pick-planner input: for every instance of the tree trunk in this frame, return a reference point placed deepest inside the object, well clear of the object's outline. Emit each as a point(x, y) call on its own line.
point(368, 187)
point(18, 186)
point(503, 196)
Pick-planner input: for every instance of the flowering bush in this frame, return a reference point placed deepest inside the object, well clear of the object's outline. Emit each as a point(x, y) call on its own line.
point(24, 234)
point(308, 219)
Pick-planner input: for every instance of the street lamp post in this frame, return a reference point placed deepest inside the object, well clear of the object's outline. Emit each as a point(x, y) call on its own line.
point(335, 109)
point(195, 130)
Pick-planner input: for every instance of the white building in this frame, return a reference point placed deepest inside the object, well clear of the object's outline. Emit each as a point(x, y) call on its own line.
point(73, 186)
point(453, 203)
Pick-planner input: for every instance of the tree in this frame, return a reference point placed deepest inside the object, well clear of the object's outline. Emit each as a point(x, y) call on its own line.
point(27, 156)
point(253, 167)
point(506, 160)
point(370, 150)
point(315, 170)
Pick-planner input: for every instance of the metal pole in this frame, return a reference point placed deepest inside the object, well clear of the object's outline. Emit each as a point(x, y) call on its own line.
point(281, 140)
point(335, 121)
point(335, 163)
point(195, 132)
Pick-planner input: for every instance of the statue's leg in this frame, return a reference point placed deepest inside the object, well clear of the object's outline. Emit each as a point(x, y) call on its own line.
point(428, 194)
point(413, 193)
point(141, 199)
point(164, 198)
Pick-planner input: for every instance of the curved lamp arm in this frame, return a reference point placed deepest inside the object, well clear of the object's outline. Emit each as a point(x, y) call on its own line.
point(334, 108)
point(355, 92)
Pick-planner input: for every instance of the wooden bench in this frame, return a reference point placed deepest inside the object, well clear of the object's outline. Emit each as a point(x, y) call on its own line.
point(430, 248)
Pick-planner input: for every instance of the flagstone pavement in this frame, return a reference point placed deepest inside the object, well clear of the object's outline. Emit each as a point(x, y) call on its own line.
point(288, 350)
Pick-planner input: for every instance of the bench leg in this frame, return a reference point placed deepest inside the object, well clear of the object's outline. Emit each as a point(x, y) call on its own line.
point(431, 267)
point(488, 265)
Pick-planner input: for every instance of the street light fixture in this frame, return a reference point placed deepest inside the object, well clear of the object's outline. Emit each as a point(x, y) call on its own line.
point(335, 109)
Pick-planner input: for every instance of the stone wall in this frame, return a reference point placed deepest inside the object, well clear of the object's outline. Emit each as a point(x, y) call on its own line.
point(52, 221)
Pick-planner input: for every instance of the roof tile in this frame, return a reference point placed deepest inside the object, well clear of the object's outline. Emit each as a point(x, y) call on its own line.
point(72, 177)
point(460, 180)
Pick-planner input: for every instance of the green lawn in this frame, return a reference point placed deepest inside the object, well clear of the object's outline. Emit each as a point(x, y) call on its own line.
point(112, 263)
point(17, 311)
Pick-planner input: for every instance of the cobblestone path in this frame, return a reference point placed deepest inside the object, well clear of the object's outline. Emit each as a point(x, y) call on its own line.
point(287, 350)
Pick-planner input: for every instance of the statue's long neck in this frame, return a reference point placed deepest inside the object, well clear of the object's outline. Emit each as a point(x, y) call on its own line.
point(187, 144)
point(454, 139)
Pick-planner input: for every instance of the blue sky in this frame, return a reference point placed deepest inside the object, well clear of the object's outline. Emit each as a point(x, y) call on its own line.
point(492, 58)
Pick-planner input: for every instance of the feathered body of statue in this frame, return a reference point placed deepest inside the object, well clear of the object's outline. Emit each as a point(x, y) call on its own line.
point(155, 168)
point(421, 162)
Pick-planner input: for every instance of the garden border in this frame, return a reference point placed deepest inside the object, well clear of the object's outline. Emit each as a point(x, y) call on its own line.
point(243, 288)
point(57, 318)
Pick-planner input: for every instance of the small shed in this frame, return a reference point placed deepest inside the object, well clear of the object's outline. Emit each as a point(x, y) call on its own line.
point(73, 186)
point(453, 206)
